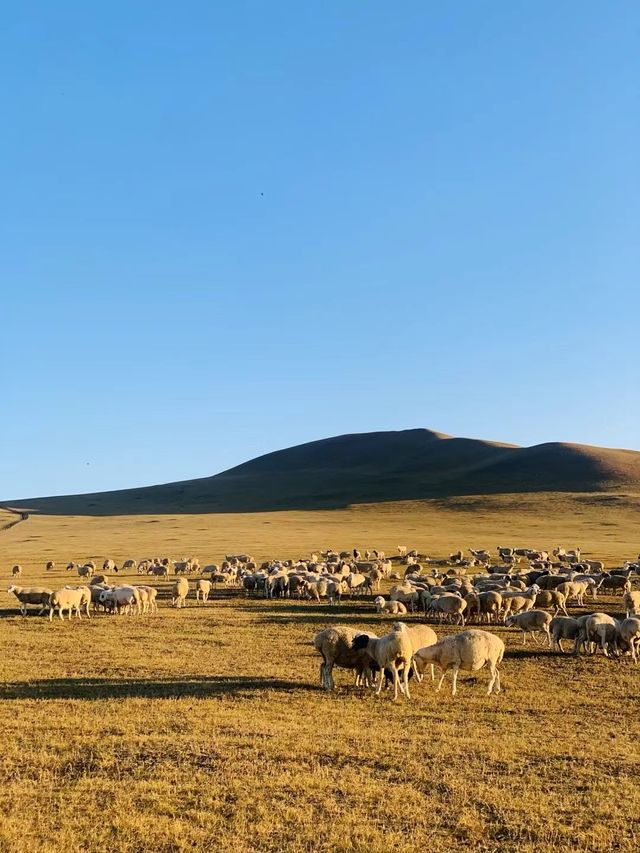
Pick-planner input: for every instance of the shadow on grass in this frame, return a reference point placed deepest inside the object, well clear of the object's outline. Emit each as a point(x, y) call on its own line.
point(164, 688)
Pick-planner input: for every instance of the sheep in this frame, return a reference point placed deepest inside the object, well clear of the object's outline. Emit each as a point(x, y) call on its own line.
point(563, 628)
point(180, 592)
point(158, 571)
point(69, 599)
point(152, 595)
point(531, 622)
point(405, 593)
point(616, 582)
point(394, 651)
point(631, 602)
point(394, 607)
point(130, 565)
point(335, 646)
point(630, 632)
point(574, 589)
point(109, 566)
point(402, 550)
point(36, 595)
point(203, 588)
point(605, 628)
point(551, 598)
point(85, 571)
point(450, 606)
point(421, 636)
point(520, 601)
point(16, 571)
point(470, 651)
point(99, 580)
point(49, 566)
point(123, 599)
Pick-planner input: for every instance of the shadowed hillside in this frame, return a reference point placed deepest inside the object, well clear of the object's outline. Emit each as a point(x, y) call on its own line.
point(368, 468)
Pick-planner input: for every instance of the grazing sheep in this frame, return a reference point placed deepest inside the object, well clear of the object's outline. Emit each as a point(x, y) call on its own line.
point(470, 651)
point(531, 622)
point(49, 566)
point(405, 593)
point(389, 607)
point(394, 652)
point(616, 582)
point(604, 628)
point(123, 599)
point(36, 595)
point(152, 595)
point(180, 592)
point(109, 566)
point(451, 607)
point(630, 633)
point(551, 598)
point(203, 588)
point(85, 571)
point(16, 571)
point(562, 628)
point(335, 646)
point(99, 580)
point(129, 565)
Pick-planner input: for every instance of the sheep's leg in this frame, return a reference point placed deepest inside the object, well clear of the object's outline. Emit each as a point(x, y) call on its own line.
point(406, 681)
point(454, 685)
point(444, 672)
point(433, 673)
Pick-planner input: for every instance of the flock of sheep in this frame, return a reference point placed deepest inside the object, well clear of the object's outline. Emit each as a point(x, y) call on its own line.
point(520, 588)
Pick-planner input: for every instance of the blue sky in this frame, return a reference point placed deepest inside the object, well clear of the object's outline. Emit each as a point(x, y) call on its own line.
point(228, 228)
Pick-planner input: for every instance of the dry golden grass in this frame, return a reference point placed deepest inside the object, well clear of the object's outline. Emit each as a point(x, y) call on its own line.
point(206, 728)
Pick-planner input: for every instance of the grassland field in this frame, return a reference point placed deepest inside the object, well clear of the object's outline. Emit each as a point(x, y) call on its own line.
point(206, 728)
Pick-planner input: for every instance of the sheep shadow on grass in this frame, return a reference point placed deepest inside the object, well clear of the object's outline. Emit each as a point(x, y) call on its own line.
point(200, 687)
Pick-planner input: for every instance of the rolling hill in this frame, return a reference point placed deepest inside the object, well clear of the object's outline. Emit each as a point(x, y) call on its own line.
point(368, 468)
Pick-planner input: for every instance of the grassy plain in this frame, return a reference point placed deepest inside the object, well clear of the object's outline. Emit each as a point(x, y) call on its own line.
point(206, 728)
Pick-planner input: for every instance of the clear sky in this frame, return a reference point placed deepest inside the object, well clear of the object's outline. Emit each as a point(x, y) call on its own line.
point(231, 227)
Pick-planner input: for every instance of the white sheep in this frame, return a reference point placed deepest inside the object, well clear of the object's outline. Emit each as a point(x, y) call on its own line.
point(632, 602)
point(69, 599)
point(203, 588)
point(630, 632)
point(470, 651)
point(394, 652)
point(180, 592)
point(531, 622)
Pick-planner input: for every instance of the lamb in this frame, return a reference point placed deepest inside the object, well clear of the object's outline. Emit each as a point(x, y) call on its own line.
point(470, 651)
point(203, 588)
point(36, 595)
point(631, 602)
point(531, 622)
point(180, 592)
point(630, 632)
point(335, 646)
point(16, 571)
point(389, 607)
point(563, 628)
point(394, 651)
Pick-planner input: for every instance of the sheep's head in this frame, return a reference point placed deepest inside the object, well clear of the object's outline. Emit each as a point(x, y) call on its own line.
point(378, 601)
point(399, 626)
point(12, 588)
point(360, 642)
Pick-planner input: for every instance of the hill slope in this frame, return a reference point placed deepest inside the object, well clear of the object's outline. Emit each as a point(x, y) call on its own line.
point(369, 468)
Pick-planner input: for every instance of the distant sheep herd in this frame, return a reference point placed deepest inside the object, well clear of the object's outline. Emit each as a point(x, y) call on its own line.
point(525, 589)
